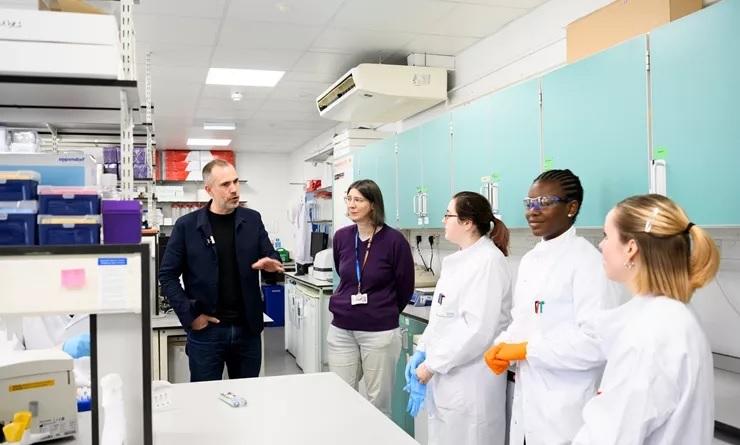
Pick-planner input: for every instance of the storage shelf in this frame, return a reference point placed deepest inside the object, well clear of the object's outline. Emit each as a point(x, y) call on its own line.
point(321, 221)
point(62, 101)
point(170, 182)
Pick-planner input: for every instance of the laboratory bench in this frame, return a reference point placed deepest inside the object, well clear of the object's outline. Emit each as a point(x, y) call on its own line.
point(418, 313)
point(168, 345)
point(309, 409)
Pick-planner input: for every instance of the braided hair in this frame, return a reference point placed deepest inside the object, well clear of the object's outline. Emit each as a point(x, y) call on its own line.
point(569, 183)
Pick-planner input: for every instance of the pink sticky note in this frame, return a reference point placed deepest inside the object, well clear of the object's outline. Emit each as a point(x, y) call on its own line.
point(73, 278)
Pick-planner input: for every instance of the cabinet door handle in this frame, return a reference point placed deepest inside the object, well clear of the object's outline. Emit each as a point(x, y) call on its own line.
point(404, 339)
point(416, 207)
point(424, 202)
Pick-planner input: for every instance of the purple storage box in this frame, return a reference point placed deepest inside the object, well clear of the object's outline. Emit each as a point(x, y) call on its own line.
point(121, 222)
point(139, 155)
point(110, 155)
point(141, 172)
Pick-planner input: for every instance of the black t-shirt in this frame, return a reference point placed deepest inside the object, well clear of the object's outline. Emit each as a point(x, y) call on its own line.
point(230, 307)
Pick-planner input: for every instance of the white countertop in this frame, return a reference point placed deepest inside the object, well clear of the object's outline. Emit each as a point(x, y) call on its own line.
point(418, 312)
point(311, 281)
point(306, 409)
point(170, 321)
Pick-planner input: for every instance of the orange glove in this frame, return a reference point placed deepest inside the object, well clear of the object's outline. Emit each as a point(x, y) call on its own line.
point(512, 351)
point(496, 365)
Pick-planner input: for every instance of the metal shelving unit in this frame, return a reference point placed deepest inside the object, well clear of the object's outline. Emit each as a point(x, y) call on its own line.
point(85, 111)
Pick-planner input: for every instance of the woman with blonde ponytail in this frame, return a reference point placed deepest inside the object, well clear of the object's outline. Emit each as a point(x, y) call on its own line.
point(658, 384)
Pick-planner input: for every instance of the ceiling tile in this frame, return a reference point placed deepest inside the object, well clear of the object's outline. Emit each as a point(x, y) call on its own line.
point(260, 35)
point(326, 63)
point(444, 45)
point(223, 114)
point(257, 59)
point(174, 54)
point(476, 20)
point(301, 76)
point(405, 15)
point(172, 29)
point(304, 12)
point(526, 4)
point(185, 8)
point(361, 41)
point(305, 91)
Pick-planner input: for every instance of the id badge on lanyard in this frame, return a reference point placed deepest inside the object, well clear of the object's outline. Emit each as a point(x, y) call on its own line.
point(360, 297)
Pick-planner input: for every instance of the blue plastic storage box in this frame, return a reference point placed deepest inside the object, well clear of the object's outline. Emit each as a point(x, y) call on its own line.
point(275, 303)
point(18, 185)
point(68, 200)
point(68, 230)
point(18, 223)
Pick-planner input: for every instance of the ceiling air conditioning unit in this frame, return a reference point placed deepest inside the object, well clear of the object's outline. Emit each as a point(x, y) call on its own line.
point(375, 93)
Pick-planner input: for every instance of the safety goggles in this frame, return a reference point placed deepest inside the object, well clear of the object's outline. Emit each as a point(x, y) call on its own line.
point(541, 202)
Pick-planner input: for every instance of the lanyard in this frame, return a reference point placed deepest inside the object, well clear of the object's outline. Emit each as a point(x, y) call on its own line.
point(359, 270)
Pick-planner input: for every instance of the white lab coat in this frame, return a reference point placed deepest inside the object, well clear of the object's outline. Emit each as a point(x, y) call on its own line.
point(301, 232)
point(658, 386)
point(563, 364)
point(465, 401)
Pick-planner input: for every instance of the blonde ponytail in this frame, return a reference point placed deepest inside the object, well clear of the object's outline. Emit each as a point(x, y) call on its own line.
point(704, 258)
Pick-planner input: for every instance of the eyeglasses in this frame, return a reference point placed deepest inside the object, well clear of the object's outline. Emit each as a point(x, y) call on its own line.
point(541, 202)
point(357, 200)
point(448, 215)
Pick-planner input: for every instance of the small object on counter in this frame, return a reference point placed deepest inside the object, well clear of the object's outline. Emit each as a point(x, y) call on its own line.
point(232, 399)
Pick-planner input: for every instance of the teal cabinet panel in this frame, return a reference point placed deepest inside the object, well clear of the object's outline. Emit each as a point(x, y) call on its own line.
point(516, 147)
point(595, 123)
point(472, 144)
point(386, 177)
point(361, 163)
point(436, 170)
point(399, 399)
point(409, 176)
point(695, 70)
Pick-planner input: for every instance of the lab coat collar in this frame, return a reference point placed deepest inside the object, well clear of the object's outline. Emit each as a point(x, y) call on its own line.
point(475, 247)
point(555, 243)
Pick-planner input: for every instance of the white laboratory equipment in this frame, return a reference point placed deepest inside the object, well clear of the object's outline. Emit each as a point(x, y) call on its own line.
point(658, 177)
point(41, 380)
point(307, 319)
point(490, 190)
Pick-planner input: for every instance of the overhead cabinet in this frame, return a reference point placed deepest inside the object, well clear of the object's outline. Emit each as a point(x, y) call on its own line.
point(696, 130)
point(594, 118)
point(496, 148)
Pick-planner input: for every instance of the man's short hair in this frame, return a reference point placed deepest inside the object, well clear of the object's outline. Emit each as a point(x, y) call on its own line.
point(209, 167)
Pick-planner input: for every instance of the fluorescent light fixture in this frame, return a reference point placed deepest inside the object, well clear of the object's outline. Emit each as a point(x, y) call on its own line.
point(219, 126)
point(208, 142)
point(249, 78)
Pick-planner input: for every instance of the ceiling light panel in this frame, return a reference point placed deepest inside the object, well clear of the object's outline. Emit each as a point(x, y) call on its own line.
point(251, 78)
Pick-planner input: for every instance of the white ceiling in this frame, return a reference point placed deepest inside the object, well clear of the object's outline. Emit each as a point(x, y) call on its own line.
point(314, 41)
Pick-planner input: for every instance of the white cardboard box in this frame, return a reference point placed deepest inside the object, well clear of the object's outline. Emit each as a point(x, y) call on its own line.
point(59, 44)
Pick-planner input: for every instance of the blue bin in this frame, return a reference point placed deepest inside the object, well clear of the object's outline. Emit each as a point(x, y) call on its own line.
point(18, 185)
point(68, 230)
point(68, 201)
point(18, 223)
point(275, 303)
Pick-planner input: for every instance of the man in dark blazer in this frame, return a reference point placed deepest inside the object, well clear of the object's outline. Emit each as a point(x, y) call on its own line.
point(219, 250)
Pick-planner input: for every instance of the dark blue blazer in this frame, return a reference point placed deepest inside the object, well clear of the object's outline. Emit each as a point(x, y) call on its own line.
point(191, 254)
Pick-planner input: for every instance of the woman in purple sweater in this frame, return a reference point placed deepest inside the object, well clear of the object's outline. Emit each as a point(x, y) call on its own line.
point(376, 272)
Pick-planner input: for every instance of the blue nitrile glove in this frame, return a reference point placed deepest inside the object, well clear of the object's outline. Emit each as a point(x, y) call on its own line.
point(413, 363)
point(417, 392)
point(78, 346)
